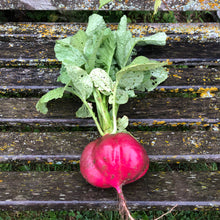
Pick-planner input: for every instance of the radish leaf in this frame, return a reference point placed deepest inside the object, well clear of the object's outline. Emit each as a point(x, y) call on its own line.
point(95, 24)
point(153, 78)
point(106, 51)
point(102, 81)
point(78, 40)
point(131, 79)
point(82, 83)
point(121, 97)
point(97, 67)
point(91, 48)
point(83, 112)
point(122, 124)
point(103, 2)
point(63, 77)
point(52, 94)
point(133, 75)
point(123, 37)
point(126, 43)
point(68, 54)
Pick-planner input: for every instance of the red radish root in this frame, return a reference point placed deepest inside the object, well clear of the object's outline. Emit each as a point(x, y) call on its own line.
point(113, 161)
point(123, 209)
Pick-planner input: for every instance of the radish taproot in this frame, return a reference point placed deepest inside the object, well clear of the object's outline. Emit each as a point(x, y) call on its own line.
point(98, 67)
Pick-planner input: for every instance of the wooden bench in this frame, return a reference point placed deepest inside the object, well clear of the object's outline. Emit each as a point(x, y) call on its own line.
point(178, 123)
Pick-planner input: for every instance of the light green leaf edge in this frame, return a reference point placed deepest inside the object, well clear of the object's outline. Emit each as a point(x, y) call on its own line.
point(140, 63)
point(122, 124)
point(83, 112)
point(126, 43)
point(41, 105)
point(157, 4)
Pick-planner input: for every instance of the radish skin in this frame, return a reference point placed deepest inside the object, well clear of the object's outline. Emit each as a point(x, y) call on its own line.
point(113, 161)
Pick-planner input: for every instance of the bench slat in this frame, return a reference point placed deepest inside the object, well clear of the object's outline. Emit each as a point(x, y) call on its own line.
point(28, 53)
point(43, 79)
point(164, 146)
point(189, 101)
point(189, 43)
point(180, 5)
point(151, 110)
point(68, 190)
point(189, 32)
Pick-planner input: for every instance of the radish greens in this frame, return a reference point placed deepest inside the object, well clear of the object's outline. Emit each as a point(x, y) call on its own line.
point(97, 66)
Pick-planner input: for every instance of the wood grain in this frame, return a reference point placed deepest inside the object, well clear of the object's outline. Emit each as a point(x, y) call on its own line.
point(39, 80)
point(157, 110)
point(180, 5)
point(189, 99)
point(163, 146)
point(68, 190)
point(33, 44)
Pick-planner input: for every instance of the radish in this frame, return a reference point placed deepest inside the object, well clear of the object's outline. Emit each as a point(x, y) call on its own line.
point(97, 66)
point(113, 161)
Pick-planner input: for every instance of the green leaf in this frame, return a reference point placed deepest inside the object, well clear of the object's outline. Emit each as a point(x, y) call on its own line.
point(131, 79)
point(131, 93)
point(102, 81)
point(158, 39)
point(81, 81)
point(153, 78)
point(95, 24)
point(122, 124)
point(91, 48)
point(106, 51)
point(63, 77)
point(133, 74)
point(126, 43)
point(78, 40)
point(41, 105)
point(99, 50)
point(123, 37)
point(103, 2)
point(121, 97)
point(68, 54)
point(83, 112)
point(141, 74)
point(157, 4)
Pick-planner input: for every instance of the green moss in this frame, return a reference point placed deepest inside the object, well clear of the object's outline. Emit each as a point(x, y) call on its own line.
point(109, 16)
point(107, 215)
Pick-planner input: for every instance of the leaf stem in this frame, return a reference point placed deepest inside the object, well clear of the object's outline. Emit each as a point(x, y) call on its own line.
point(102, 110)
point(89, 109)
point(114, 109)
point(94, 118)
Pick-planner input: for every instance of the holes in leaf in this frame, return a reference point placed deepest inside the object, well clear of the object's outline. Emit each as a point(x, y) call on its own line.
point(153, 78)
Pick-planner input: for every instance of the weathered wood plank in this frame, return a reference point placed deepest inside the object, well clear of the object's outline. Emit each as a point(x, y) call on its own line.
point(167, 108)
point(33, 44)
point(180, 5)
point(149, 111)
point(164, 146)
point(42, 79)
point(59, 190)
point(189, 32)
